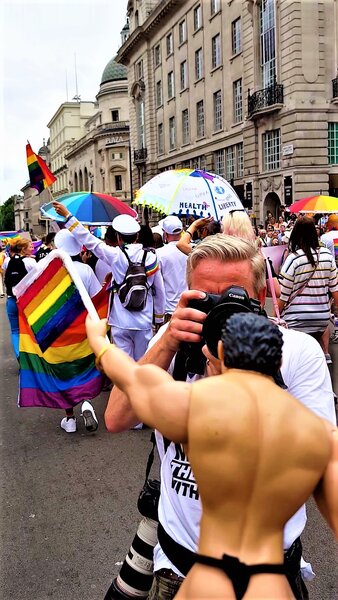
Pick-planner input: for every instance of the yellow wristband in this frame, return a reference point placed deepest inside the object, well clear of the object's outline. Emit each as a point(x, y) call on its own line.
point(100, 354)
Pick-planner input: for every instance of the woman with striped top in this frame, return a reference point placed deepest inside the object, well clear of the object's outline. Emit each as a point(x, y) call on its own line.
point(306, 278)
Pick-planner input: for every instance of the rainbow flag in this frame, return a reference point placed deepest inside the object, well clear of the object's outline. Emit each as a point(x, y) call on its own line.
point(335, 245)
point(6, 237)
point(39, 175)
point(57, 365)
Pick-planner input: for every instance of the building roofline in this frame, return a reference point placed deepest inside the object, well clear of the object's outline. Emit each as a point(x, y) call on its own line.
point(153, 21)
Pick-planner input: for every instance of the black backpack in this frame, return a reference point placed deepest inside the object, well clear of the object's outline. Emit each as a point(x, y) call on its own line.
point(133, 290)
point(16, 270)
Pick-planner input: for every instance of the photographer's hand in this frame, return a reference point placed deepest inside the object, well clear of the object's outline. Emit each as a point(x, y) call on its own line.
point(186, 323)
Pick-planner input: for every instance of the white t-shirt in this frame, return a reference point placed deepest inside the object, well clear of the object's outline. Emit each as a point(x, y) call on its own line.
point(173, 265)
point(306, 375)
point(88, 277)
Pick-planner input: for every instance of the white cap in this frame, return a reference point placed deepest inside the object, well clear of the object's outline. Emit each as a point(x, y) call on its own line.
point(64, 240)
point(125, 224)
point(171, 225)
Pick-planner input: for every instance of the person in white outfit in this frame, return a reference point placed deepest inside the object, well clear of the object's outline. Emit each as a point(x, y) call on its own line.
point(131, 330)
point(66, 242)
point(173, 264)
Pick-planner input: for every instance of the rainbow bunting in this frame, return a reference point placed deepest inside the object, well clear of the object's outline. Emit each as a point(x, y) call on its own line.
point(39, 175)
point(57, 366)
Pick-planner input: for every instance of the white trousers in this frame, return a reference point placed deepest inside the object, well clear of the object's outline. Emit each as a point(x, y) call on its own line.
point(134, 342)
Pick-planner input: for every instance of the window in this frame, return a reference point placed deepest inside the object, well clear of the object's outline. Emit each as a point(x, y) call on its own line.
point(197, 17)
point(159, 98)
point(172, 133)
point(139, 69)
point(117, 155)
point(169, 44)
point(240, 159)
point(157, 55)
point(140, 124)
point(115, 116)
point(236, 36)
point(171, 90)
point(200, 118)
point(238, 101)
point(219, 162)
point(182, 31)
point(184, 75)
point(218, 121)
point(215, 6)
point(271, 150)
point(198, 64)
point(216, 51)
point(199, 162)
point(333, 143)
point(118, 183)
point(185, 126)
point(267, 42)
point(160, 138)
point(230, 163)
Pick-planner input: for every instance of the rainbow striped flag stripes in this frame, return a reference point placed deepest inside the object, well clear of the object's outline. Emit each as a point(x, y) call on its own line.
point(40, 176)
point(57, 366)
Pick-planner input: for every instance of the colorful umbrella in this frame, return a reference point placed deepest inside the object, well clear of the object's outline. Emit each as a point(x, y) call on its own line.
point(189, 192)
point(315, 204)
point(90, 208)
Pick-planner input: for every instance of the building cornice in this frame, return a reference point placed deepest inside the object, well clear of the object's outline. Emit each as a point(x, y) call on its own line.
point(146, 30)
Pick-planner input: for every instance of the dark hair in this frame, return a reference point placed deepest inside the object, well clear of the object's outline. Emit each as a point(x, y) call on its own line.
point(145, 237)
point(158, 240)
point(128, 238)
point(213, 227)
point(49, 238)
point(111, 235)
point(252, 343)
point(304, 237)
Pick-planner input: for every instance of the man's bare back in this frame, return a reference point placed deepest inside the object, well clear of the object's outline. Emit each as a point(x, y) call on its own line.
point(251, 447)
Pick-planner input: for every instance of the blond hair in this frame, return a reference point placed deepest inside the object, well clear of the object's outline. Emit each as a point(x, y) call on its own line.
point(238, 223)
point(228, 248)
point(19, 245)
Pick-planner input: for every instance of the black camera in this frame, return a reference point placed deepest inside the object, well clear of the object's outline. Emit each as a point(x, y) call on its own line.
point(148, 499)
point(218, 309)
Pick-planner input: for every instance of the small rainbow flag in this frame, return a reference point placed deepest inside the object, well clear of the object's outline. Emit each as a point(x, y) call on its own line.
point(57, 365)
point(6, 237)
point(335, 245)
point(39, 175)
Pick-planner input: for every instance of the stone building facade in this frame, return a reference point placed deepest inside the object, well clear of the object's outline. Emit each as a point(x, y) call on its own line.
point(99, 160)
point(245, 88)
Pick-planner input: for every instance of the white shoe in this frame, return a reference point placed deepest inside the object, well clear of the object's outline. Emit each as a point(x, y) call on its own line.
point(89, 416)
point(69, 425)
point(138, 426)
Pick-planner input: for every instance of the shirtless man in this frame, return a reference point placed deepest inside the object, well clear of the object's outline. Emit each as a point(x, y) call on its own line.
point(234, 448)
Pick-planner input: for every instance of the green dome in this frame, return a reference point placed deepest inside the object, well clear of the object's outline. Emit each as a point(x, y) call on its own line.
point(114, 71)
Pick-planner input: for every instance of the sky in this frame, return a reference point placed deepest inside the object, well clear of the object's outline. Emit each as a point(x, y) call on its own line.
point(40, 43)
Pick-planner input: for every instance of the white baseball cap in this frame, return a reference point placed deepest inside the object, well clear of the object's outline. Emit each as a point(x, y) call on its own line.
point(125, 224)
point(64, 240)
point(171, 224)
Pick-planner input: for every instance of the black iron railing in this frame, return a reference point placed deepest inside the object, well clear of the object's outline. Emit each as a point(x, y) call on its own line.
point(265, 98)
point(140, 155)
point(335, 88)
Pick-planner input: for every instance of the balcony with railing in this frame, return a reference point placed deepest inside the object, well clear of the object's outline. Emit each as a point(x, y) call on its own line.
point(267, 100)
point(335, 89)
point(140, 156)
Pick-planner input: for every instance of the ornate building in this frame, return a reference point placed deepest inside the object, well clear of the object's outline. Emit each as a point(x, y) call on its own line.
point(245, 88)
point(99, 160)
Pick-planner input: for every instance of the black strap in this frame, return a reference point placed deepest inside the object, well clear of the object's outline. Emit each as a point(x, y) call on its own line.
point(151, 456)
point(122, 248)
point(181, 557)
point(143, 262)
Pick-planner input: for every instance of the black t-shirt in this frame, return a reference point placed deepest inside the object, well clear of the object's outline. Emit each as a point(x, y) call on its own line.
point(42, 252)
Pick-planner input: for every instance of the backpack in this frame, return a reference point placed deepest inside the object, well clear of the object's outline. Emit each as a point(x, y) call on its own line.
point(133, 290)
point(16, 270)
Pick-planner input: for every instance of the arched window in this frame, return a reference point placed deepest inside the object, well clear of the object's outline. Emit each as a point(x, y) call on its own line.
point(76, 188)
point(86, 182)
point(80, 181)
point(136, 19)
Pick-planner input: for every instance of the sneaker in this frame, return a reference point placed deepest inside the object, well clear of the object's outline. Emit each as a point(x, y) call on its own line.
point(89, 416)
point(328, 359)
point(69, 425)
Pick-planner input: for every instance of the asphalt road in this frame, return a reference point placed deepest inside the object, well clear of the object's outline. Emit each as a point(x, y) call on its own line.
point(68, 501)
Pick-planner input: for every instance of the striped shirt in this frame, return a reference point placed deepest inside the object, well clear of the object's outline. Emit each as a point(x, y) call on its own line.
point(309, 310)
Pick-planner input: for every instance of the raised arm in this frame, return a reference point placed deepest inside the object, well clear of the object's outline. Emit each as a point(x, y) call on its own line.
point(156, 398)
point(326, 493)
